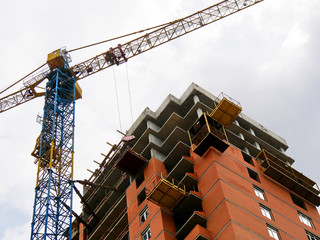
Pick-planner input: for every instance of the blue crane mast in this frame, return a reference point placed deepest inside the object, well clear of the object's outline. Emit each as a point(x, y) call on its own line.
point(52, 212)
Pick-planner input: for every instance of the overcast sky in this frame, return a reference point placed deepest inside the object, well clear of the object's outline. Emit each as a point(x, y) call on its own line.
point(266, 57)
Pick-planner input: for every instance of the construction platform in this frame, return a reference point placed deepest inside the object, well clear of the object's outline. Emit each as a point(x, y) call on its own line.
point(206, 132)
point(283, 173)
point(166, 193)
point(131, 162)
point(226, 111)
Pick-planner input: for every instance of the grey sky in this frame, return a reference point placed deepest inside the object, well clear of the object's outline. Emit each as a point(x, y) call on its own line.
point(266, 57)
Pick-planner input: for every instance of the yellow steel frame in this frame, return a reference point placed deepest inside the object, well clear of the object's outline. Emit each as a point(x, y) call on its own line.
point(180, 193)
point(287, 170)
point(226, 111)
point(193, 146)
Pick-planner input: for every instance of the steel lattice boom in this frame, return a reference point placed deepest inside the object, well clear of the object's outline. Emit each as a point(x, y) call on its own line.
point(121, 53)
point(178, 28)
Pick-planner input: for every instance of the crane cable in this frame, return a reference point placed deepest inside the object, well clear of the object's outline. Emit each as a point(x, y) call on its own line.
point(117, 98)
point(116, 90)
point(129, 93)
point(126, 35)
point(114, 76)
point(2, 91)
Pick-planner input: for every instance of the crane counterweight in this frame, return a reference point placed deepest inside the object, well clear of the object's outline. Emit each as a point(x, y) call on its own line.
point(58, 58)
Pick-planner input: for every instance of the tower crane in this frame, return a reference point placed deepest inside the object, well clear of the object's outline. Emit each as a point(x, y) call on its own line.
point(54, 151)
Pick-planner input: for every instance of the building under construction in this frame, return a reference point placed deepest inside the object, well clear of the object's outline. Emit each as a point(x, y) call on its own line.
point(198, 169)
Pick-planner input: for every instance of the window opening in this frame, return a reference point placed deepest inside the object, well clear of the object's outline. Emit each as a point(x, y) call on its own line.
point(298, 201)
point(305, 219)
point(247, 158)
point(144, 214)
point(253, 175)
point(259, 192)
point(273, 232)
point(139, 179)
point(312, 236)
point(141, 196)
point(146, 235)
point(266, 211)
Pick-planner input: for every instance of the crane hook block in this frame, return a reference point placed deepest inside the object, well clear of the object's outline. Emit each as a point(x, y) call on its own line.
point(57, 58)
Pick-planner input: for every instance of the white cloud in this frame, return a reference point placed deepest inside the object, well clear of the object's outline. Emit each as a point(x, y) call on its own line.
point(296, 38)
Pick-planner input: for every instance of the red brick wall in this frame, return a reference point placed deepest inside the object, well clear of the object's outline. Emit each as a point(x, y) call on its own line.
point(229, 202)
point(233, 209)
point(160, 221)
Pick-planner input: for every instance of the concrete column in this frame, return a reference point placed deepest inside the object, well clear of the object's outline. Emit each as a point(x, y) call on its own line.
point(153, 126)
point(281, 150)
point(251, 131)
point(158, 155)
point(196, 99)
point(199, 112)
point(236, 122)
point(155, 140)
point(246, 150)
point(241, 136)
point(257, 145)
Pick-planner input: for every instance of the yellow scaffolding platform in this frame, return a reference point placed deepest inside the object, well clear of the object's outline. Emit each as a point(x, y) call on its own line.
point(226, 111)
point(206, 132)
point(166, 193)
point(283, 173)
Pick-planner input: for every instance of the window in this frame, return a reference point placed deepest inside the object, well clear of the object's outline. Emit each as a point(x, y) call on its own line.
point(247, 158)
point(141, 196)
point(259, 192)
point(144, 214)
point(273, 232)
point(146, 234)
point(312, 237)
point(298, 201)
point(305, 219)
point(253, 175)
point(266, 211)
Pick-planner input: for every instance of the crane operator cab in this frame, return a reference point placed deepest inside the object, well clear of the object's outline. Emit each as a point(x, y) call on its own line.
point(58, 58)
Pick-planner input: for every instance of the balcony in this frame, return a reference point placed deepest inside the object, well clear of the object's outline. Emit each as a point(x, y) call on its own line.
point(283, 173)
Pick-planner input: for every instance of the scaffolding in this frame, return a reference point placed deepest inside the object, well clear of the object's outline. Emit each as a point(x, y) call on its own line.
point(226, 111)
point(131, 162)
point(209, 129)
point(166, 192)
point(283, 173)
point(206, 132)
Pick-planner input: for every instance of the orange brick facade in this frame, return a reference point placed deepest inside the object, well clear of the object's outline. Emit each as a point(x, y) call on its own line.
point(229, 203)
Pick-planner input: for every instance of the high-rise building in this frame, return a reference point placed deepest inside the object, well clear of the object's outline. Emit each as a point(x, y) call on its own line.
point(196, 169)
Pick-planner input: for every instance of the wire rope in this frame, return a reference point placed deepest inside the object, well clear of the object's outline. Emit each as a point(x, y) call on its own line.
point(2, 91)
point(116, 90)
point(129, 93)
point(126, 35)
